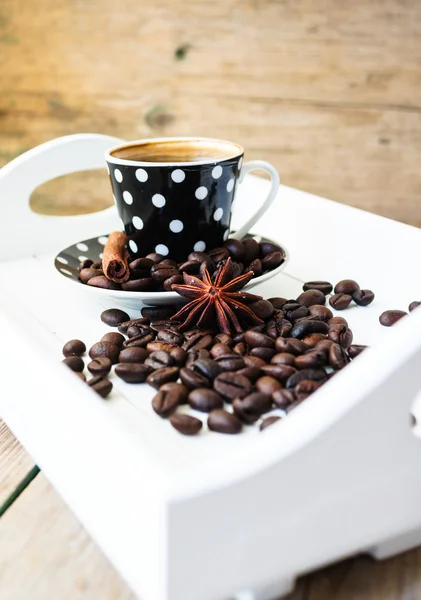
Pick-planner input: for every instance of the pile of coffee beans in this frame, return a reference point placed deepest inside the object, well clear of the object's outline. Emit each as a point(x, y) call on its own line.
point(157, 273)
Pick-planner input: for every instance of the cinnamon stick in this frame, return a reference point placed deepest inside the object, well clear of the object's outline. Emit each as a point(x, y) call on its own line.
point(114, 262)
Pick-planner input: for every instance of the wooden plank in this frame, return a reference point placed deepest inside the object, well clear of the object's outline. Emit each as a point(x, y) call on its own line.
point(327, 94)
point(15, 463)
point(46, 553)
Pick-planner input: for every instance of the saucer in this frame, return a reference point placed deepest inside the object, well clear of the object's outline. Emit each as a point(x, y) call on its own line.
point(68, 260)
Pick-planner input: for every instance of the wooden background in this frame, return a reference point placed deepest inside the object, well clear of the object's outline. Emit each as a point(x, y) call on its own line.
point(327, 90)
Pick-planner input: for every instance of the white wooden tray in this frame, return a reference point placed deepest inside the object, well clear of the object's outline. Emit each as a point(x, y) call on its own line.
point(216, 517)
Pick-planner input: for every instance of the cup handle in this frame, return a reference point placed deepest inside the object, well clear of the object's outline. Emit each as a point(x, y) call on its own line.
point(252, 165)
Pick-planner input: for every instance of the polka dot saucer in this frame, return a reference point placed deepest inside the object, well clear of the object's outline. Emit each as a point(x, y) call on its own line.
point(68, 260)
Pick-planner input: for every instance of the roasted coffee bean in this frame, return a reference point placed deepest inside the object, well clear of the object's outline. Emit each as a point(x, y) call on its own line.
point(277, 302)
point(390, 317)
point(100, 281)
point(101, 385)
point(283, 358)
point(206, 367)
point(107, 349)
point(323, 313)
point(218, 254)
point(346, 286)
point(191, 267)
point(155, 313)
point(161, 376)
point(224, 338)
point(100, 366)
point(414, 305)
point(85, 264)
point(268, 422)
point(75, 363)
point(141, 284)
point(134, 354)
point(251, 373)
point(186, 424)
point(256, 266)
point(337, 321)
point(177, 388)
point(263, 353)
point(313, 339)
point(155, 257)
point(284, 328)
point(159, 324)
point(232, 385)
point(315, 374)
point(322, 286)
point(252, 407)
point(311, 360)
point(338, 358)
point(194, 355)
point(169, 261)
point(132, 372)
point(179, 355)
point(267, 247)
point(97, 265)
point(340, 301)
point(205, 400)
point(280, 372)
point(283, 398)
point(240, 348)
point(169, 336)
point(251, 250)
point(235, 248)
point(199, 257)
point(290, 345)
point(113, 337)
point(141, 264)
point(267, 384)
point(295, 311)
point(74, 348)
point(311, 297)
point(159, 359)
point(340, 334)
point(192, 379)
point(160, 272)
point(237, 269)
point(355, 349)
point(222, 421)
point(86, 275)
point(220, 349)
point(230, 362)
point(166, 402)
point(199, 341)
point(363, 297)
point(307, 326)
point(254, 361)
point(272, 331)
point(143, 340)
point(160, 346)
point(262, 309)
point(136, 330)
point(123, 327)
point(255, 339)
point(305, 388)
point(272, 260)
point(324, 345)
point(114, 317)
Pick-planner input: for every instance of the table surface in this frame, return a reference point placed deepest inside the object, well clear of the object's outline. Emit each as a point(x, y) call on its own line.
point(46, 553)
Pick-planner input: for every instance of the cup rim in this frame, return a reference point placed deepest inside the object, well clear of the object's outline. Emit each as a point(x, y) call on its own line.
point(142, 163)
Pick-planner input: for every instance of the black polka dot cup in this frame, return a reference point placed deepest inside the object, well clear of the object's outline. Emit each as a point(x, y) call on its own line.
point(176, 195)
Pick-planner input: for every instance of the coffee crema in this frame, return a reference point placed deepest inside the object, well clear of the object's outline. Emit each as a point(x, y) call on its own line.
point(178, 151)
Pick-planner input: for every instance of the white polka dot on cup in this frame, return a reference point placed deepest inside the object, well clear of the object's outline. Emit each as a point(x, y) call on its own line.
point(82, 258)
point(62, 260)
point(101, 255)
point(127, 197)
point(133, 246)
point(178, 175)
point(230, 185)
point(66, 272)
point(226, 235)
point(201, 192)
point(158, 200)
point(199, 246)
point(102, 240)
point(118, 175)
point(176, 226)
point(217, 215)
point(137, 222)
point(141, 175)
point(217, 172)
point(162, 249)
point(82, 247)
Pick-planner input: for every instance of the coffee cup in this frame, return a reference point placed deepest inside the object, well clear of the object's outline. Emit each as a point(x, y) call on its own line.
point(176, 195)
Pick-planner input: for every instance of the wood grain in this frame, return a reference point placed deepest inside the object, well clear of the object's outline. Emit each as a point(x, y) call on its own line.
point(328, 94)
point(15, 463)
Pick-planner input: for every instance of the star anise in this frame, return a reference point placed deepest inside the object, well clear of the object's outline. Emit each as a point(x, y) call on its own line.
point(218, 300)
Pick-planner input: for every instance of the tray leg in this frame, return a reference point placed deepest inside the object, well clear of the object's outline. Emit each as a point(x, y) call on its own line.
point(277, 590)
point(396, 545)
